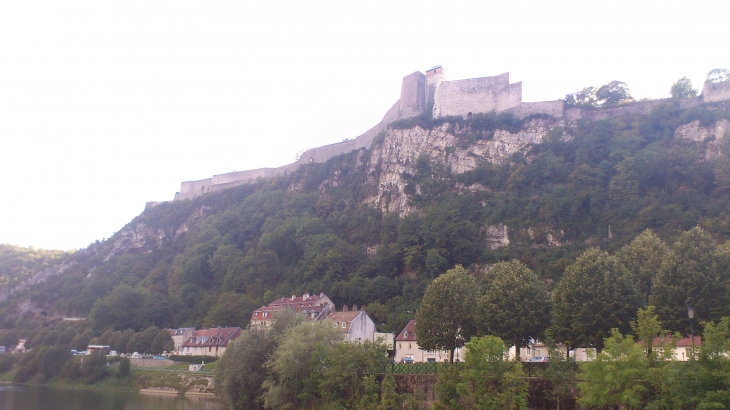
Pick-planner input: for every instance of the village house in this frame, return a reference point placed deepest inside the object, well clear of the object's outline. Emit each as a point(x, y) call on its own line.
point(314, 307)
point(406, 346)
point(210, 342)
point(356, 324)
point(180, 336)
point(683, 348)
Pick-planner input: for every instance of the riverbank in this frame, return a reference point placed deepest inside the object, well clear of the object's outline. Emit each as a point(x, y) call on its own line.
point(138, 380)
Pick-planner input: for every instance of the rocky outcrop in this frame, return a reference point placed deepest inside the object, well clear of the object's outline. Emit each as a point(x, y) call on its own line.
point(398, 152)
point(42, 276)
point(713, 135)
point(496, 236)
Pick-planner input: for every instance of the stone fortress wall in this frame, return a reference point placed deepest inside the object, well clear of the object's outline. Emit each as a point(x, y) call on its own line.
point(462, 97)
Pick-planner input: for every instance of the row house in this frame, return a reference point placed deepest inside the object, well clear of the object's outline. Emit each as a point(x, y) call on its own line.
point(356, 325)
point(406, 346)
point(314, 307)
point(180, 336)
point(210, 342)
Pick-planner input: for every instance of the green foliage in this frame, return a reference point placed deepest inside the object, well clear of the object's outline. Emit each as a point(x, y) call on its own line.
point(487, 380)
point(446, 317)
point(614, 92)
point(683, 89)
point(162, 342)
point(241, 373)
point(694, 274)
point(718, 75)
point(615, 377)
point(298, 364)
point(94, 367)
point(18, 264)
point(516, 305)
point(647, 327)
point(125, 366)
point(583, 98)
point(643, 257)
point(596, 294)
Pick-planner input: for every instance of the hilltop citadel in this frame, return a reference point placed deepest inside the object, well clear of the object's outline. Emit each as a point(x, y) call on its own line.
point(421, 92)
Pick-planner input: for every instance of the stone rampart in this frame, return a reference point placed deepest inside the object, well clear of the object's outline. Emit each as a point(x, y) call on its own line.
point(641, 107)
point(478, 95)
point(551, 108)
point(475, 95)
point(714, 92)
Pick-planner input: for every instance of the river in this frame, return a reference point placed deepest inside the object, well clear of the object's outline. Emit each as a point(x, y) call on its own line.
point(44, 398)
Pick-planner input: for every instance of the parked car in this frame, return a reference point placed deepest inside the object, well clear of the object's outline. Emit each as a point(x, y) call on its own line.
point(83, 353)
point(407, 360)
point(113, 353)
point(136, 355)
point(540, 359)
point(74, 352)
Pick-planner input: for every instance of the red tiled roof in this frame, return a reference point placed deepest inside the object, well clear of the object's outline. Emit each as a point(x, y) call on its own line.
point(408, 333)
point(217, 336)
point(346, 317)
point(684, 342)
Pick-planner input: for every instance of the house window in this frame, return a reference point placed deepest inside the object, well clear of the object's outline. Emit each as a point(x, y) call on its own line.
point(343, 325)
point(409, 345)
point(431, 360)
point(337, 324)
point(399, 346)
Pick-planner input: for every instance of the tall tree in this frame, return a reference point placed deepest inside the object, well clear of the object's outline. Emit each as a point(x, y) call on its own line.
point(446, 318)
point(683, 89)
point(643, 257)
point(241, 373)
point(162, 342)
point(612, 378)
point(614, 92)
point(596, 294)
point(516, 305)
point(585, 97)
point(694, 274)
point(718, 75)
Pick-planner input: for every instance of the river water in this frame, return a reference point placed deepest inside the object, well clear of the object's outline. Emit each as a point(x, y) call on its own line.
point(44, 398)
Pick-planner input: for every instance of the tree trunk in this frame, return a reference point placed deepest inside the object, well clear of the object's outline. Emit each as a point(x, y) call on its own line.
point(451, 355)
point(517, 349)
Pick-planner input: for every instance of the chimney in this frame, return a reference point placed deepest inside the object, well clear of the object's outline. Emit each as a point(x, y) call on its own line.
point(354, 308)
point(293, 297)
point(305, 296)
point(344, 308)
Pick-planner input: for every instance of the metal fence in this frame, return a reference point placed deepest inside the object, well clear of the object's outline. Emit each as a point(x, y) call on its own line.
point(531, 369)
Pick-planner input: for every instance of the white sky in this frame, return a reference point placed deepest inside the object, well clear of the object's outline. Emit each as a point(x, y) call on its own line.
point(105, 105)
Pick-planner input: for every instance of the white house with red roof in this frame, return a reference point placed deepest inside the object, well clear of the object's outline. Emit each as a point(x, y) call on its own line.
point(406, 345)
point(210, 342)
point(356, 324)
point(314, 307)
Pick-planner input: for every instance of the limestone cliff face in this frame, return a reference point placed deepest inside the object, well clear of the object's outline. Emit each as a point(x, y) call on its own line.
point(712, 134)
point(397, 153)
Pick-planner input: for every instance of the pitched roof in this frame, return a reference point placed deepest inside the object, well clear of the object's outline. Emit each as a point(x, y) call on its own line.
point(304, 300)
point(408, 333)
point(344, 317)
point(259, 315)
point(217, 336)
point(684, 342)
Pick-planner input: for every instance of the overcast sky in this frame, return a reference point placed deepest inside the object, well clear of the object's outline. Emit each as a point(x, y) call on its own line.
point(105, 105)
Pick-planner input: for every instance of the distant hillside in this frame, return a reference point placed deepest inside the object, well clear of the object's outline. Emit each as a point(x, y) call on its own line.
point(375, 226)
point(18, 264)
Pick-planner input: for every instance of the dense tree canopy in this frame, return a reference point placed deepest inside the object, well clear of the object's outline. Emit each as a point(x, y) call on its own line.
point(596, 294)
point(683, 89)
point(516, 305)
point(695, 274)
